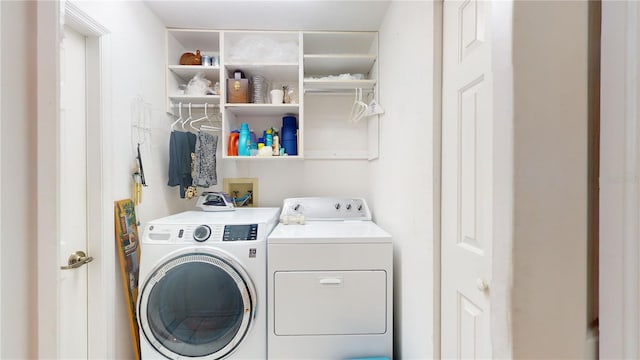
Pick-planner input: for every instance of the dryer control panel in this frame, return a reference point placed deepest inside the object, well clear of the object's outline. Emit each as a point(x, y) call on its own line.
point(326, 208)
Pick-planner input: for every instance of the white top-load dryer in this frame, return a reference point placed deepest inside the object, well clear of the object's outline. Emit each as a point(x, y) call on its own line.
point(330, 282)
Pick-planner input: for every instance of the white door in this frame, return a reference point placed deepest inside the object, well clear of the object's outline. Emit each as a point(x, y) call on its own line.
point(72, 161)
point(73, 196)
point(466, 180)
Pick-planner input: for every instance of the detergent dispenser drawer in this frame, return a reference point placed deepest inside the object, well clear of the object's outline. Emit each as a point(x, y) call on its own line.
point(330, 302)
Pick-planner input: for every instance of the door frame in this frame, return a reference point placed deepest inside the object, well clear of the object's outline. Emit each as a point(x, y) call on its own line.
point(1, 170)
point(438, 34)
point(101, 274)
point(619, 252)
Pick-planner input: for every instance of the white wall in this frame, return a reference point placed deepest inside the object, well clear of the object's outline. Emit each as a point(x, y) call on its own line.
point(402, 178)
point(619, 186)
point(18, 183)
point(138, 68)
point(1, 204)
point(280, 180)
point(503, 168)
point(550, 179)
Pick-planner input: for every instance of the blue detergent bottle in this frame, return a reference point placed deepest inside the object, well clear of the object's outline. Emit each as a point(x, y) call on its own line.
point(289, 135)
point(244, 140)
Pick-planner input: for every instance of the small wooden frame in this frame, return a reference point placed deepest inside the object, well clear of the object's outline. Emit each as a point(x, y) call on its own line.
point(128, 248)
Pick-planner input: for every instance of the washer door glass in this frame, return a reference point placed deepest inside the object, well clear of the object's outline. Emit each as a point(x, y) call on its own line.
point(198, 305)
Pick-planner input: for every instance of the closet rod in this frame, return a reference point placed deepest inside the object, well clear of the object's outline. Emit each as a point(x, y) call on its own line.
point(335, 91)
point(193, 106)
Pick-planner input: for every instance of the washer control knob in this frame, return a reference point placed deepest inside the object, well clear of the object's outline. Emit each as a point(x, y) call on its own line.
point(297, 207)
point(360, 207)
point(201, 233)
point(348, 206)
point(337, 206)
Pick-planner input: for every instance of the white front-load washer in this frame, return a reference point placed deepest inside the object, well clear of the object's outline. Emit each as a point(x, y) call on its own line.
point(330, 282)
point(203, 285)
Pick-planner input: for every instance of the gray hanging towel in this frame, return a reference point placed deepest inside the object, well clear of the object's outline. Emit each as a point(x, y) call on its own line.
point(205, 161)
point(181, 145)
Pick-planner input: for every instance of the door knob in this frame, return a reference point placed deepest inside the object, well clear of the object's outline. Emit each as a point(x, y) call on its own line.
point(482, 285)
point(76, 260)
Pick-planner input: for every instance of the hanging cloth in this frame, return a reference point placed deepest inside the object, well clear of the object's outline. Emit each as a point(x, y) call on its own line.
point(205, 160)
point(181, 146)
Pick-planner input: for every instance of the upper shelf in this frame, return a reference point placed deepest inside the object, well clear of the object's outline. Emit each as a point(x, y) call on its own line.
point(262, 109)
point(273, 71)
point(327, 85)
point(180, 41)
point(261, 47)
point(329, 55)
point(335, 64)
point(192, 39)
point(340, 42)
point(186, 99)
point(187, 72)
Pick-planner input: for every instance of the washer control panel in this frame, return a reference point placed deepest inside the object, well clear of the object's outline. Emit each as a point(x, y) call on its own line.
point(204, 233)
point(240, 232)
point(326, 208)
point(207, 227)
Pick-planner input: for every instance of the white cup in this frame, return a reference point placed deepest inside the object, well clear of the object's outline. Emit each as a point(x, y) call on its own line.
point(276, 96)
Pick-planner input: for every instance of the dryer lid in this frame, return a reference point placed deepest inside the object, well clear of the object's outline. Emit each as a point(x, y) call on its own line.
point(329, 232)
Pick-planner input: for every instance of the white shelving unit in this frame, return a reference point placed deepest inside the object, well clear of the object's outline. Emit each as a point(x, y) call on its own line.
point(310, 63)
point(178, 42)
point(276, 56)
point(335, 65)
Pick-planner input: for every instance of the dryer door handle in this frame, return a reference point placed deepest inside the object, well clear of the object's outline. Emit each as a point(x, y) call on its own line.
point(331, 281)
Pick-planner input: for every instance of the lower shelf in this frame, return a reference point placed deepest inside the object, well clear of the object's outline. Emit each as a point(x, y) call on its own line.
point(195, 100)
point(263, 158)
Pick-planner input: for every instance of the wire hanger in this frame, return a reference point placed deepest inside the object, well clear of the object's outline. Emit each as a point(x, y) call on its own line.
point(358, 109)
point(173, 124)
point(187, 119)
point(211, 127)
point(206, 116)
point(140, 120)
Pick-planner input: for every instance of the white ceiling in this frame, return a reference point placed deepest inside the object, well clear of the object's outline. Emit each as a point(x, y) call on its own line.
point(342, 15)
